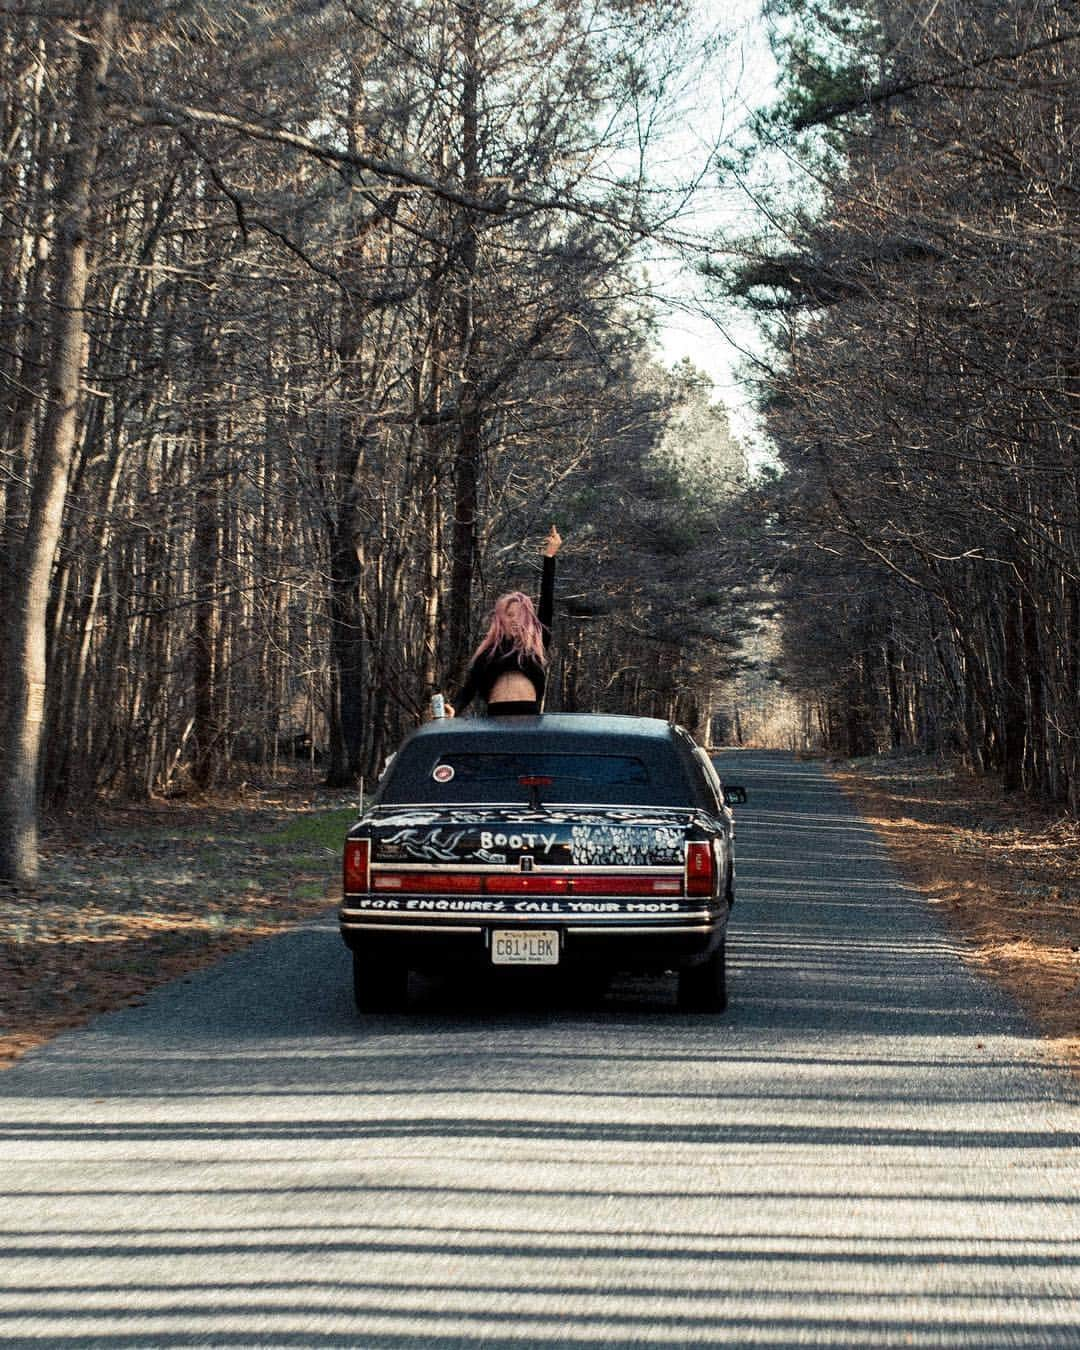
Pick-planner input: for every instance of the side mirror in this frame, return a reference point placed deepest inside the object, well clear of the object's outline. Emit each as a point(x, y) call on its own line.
point(734, 796)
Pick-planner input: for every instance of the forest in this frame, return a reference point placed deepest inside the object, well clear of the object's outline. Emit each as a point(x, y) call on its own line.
point(316, 314)
point(921, 306)
point(314, 317)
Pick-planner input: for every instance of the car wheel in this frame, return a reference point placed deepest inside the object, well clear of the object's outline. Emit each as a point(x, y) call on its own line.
point(703, 988)
point(379, 985)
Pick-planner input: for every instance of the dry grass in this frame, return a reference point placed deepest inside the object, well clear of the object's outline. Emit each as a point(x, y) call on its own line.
point(1005, 871)
point(128, 899)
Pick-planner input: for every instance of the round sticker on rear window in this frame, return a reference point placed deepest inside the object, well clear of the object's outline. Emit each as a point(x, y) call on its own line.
point(443, 773)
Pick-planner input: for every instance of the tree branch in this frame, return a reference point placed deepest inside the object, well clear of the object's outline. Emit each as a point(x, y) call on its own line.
point(890, 89)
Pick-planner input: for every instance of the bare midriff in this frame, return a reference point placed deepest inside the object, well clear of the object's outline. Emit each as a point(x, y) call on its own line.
point(511, 688)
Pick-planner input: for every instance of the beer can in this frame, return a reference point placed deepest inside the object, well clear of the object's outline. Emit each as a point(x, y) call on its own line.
point(438, 705)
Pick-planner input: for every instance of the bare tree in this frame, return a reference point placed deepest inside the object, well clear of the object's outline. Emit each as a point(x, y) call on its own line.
point(24, 666)
point(925, 404)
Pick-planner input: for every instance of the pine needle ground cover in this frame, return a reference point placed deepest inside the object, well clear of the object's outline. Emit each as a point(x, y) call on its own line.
point(1005, 872)
point(130, 898)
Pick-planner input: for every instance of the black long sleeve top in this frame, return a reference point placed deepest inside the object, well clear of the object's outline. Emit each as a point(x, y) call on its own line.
point(504, 659)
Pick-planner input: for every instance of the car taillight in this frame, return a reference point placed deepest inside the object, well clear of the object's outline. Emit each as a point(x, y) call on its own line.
point(450, 882)
point(356, 871)
point(519, 883)
point(528, 883)
point(700, 872)
point(608, 885)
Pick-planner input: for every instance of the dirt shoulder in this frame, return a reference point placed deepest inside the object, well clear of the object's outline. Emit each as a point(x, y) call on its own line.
point(1005, 872)
point(130, 898)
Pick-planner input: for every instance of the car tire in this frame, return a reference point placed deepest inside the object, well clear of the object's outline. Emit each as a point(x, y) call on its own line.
point(379, 985)
point(703, 988)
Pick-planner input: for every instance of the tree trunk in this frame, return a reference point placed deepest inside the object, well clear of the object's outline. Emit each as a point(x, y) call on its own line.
point(25, 309)
point(431, 576)
point(347, 643)
point(1038, 766)
point(205, 618)
point(467, 457)
point(1014, 706)
point(28, 604)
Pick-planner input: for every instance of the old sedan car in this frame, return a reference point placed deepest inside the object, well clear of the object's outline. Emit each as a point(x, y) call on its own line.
point(558, 840)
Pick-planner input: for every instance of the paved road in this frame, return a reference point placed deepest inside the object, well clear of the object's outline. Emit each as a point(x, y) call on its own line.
point(866, 1150)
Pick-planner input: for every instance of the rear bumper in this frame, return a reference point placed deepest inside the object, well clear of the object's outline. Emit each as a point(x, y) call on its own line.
point(619, 939)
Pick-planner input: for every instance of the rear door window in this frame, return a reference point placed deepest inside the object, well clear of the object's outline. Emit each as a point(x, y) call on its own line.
point(594, 771)
point(471, 775)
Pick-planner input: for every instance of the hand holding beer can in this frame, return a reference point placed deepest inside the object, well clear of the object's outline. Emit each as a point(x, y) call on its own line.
point(438, 705)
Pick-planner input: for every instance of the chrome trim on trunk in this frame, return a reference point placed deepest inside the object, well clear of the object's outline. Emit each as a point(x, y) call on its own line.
point(404, 918)
point(652, 928)
point(410, 928)
point(644, 870)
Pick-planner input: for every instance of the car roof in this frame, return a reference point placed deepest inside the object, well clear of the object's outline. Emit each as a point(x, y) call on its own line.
point(574, 731)
point(663, 747)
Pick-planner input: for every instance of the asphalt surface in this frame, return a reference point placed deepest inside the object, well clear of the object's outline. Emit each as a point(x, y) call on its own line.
point(868, 1149)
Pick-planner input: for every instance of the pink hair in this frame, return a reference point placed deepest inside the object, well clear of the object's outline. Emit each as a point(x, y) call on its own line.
point(528, 642)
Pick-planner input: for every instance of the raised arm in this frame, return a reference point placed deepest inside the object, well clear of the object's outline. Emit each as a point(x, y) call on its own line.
point(546, 609)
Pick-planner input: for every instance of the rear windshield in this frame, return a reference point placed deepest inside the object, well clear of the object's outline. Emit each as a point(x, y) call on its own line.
point(458, 776)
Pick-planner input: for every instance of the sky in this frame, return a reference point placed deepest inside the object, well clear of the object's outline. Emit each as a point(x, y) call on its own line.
point(739, 80)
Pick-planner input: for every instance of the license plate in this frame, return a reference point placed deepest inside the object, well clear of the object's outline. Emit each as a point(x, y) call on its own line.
point(529, 947)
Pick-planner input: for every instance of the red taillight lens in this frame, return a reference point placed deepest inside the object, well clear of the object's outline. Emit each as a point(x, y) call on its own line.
point(357, 869)
point(358, 877)
point(454, 883)
point(700, 871)
point(527, 884)
point(601, 885)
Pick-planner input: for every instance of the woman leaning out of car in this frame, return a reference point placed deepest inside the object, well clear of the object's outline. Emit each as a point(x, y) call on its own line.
point(509, 667)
